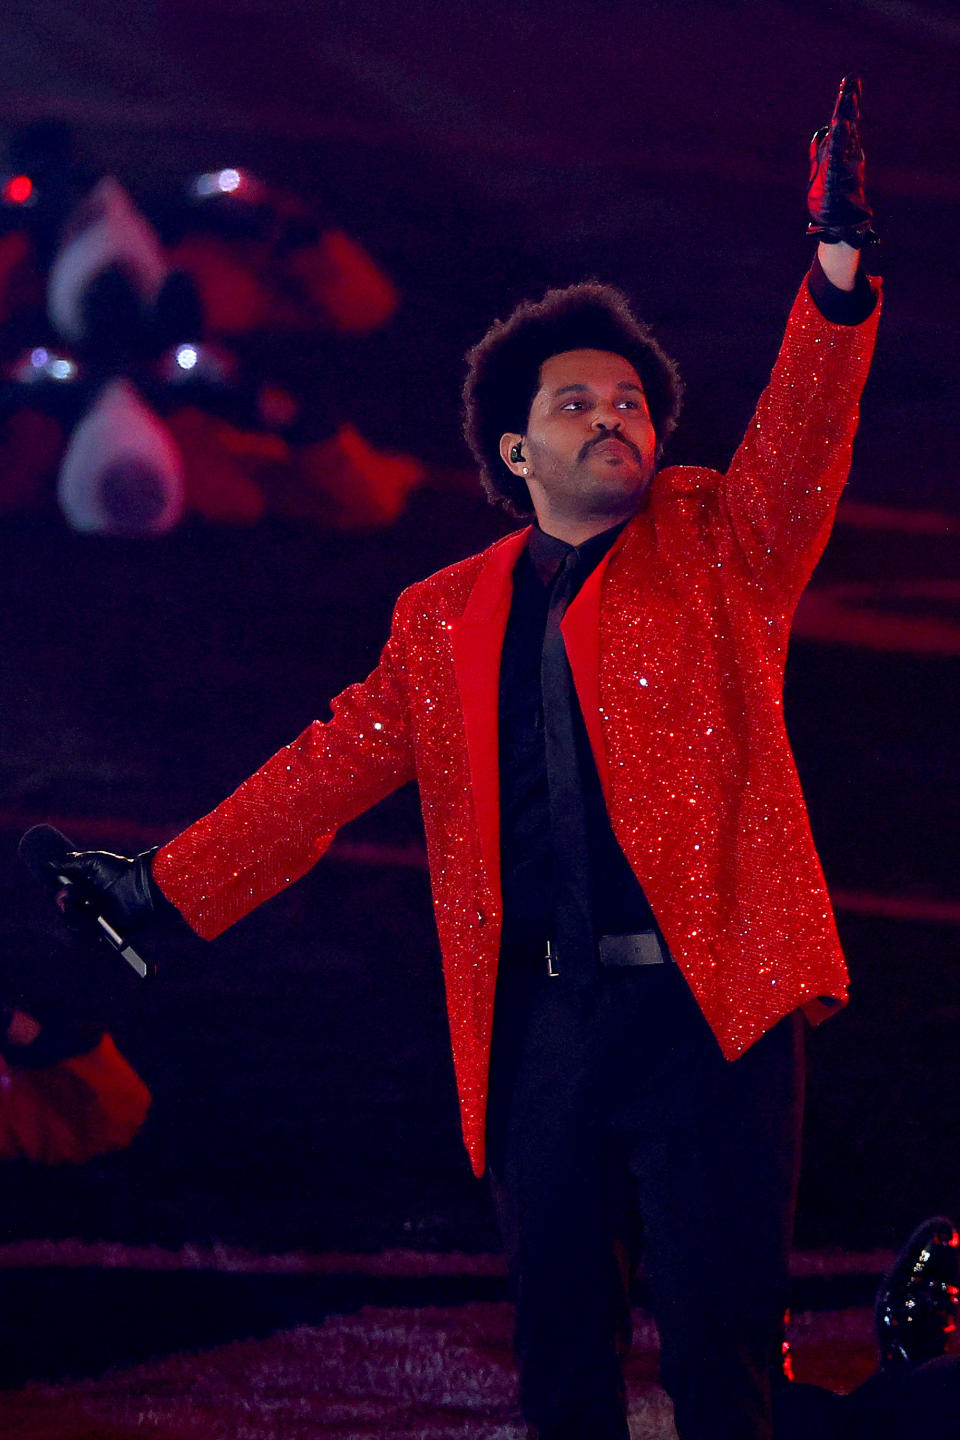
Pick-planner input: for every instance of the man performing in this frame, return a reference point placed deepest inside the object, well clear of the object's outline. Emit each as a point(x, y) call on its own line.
point(630, 908)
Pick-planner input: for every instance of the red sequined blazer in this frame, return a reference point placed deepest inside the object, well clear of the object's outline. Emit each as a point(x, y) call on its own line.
point(677, 644)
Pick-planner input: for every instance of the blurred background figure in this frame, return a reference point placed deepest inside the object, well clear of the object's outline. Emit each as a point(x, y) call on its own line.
point(66, 1092)
point(185, 362)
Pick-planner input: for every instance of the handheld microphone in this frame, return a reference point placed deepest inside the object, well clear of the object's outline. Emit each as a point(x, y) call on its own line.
point(42, 849)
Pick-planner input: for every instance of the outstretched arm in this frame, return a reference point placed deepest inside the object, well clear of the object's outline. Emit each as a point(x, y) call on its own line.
point(277, 824)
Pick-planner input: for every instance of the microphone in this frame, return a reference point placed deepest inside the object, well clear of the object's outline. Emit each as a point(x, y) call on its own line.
point(42, 849)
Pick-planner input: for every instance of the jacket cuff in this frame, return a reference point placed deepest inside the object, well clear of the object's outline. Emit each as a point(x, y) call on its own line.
point(841, 307)
point(165, 914)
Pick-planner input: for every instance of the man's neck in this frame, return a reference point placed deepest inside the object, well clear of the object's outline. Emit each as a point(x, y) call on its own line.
point(575, 530)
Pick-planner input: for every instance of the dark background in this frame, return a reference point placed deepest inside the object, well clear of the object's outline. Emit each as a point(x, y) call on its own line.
point(303, 1089)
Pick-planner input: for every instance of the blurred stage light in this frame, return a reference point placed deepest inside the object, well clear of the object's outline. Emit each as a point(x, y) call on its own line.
point(18, 190)
point(197, 362)
point(35, 366)
point(239, 184)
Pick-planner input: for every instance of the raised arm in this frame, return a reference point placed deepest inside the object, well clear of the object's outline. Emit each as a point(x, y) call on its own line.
point(785, 479)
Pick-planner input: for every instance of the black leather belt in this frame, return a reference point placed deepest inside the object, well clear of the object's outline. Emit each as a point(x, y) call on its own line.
point(618, 951)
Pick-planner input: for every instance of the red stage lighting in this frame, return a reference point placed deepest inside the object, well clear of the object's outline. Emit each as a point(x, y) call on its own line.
point(18, 190)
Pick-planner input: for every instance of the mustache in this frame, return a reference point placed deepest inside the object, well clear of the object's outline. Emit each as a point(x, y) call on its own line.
point(609, 435)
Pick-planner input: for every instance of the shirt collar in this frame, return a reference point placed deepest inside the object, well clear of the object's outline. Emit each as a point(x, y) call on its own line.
point(547, 553)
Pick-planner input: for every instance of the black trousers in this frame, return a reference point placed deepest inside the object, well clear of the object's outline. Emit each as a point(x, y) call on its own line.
point(613, 1115)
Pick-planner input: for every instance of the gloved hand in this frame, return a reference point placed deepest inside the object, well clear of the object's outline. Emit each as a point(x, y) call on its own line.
point(124, 886)
point(836, 198)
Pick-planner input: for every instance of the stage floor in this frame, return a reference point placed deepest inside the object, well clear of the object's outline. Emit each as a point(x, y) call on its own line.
point(377, 1373)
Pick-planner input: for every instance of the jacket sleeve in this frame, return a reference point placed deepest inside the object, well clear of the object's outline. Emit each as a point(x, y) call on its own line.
point(277, 825)
point(73, 1110)
point(781, 491)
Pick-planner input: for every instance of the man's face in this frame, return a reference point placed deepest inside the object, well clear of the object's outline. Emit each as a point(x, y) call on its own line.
point(590, 446)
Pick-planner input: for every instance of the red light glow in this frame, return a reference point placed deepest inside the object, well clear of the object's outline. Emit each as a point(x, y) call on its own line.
point(18, 190)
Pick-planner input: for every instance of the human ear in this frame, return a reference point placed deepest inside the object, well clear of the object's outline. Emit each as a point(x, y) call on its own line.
point(511, 453)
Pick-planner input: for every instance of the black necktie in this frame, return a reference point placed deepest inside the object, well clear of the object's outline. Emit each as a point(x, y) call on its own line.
point(573, 939)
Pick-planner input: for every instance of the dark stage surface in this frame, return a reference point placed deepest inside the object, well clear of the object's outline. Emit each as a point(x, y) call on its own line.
point(303, 1089)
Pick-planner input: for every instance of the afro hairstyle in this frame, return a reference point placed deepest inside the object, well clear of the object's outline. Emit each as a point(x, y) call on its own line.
point(504, 373)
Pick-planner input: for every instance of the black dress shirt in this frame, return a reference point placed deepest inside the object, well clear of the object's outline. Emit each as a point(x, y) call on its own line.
point(617, 902)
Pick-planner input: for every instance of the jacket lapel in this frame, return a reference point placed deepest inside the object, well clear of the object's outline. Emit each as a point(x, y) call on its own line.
point(477, 648)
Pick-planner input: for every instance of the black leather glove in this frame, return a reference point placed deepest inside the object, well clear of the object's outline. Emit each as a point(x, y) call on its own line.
point(836, 197)
point(124, 886)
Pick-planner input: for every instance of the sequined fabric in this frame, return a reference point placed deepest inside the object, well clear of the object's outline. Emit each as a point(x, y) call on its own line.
point(677, 645)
